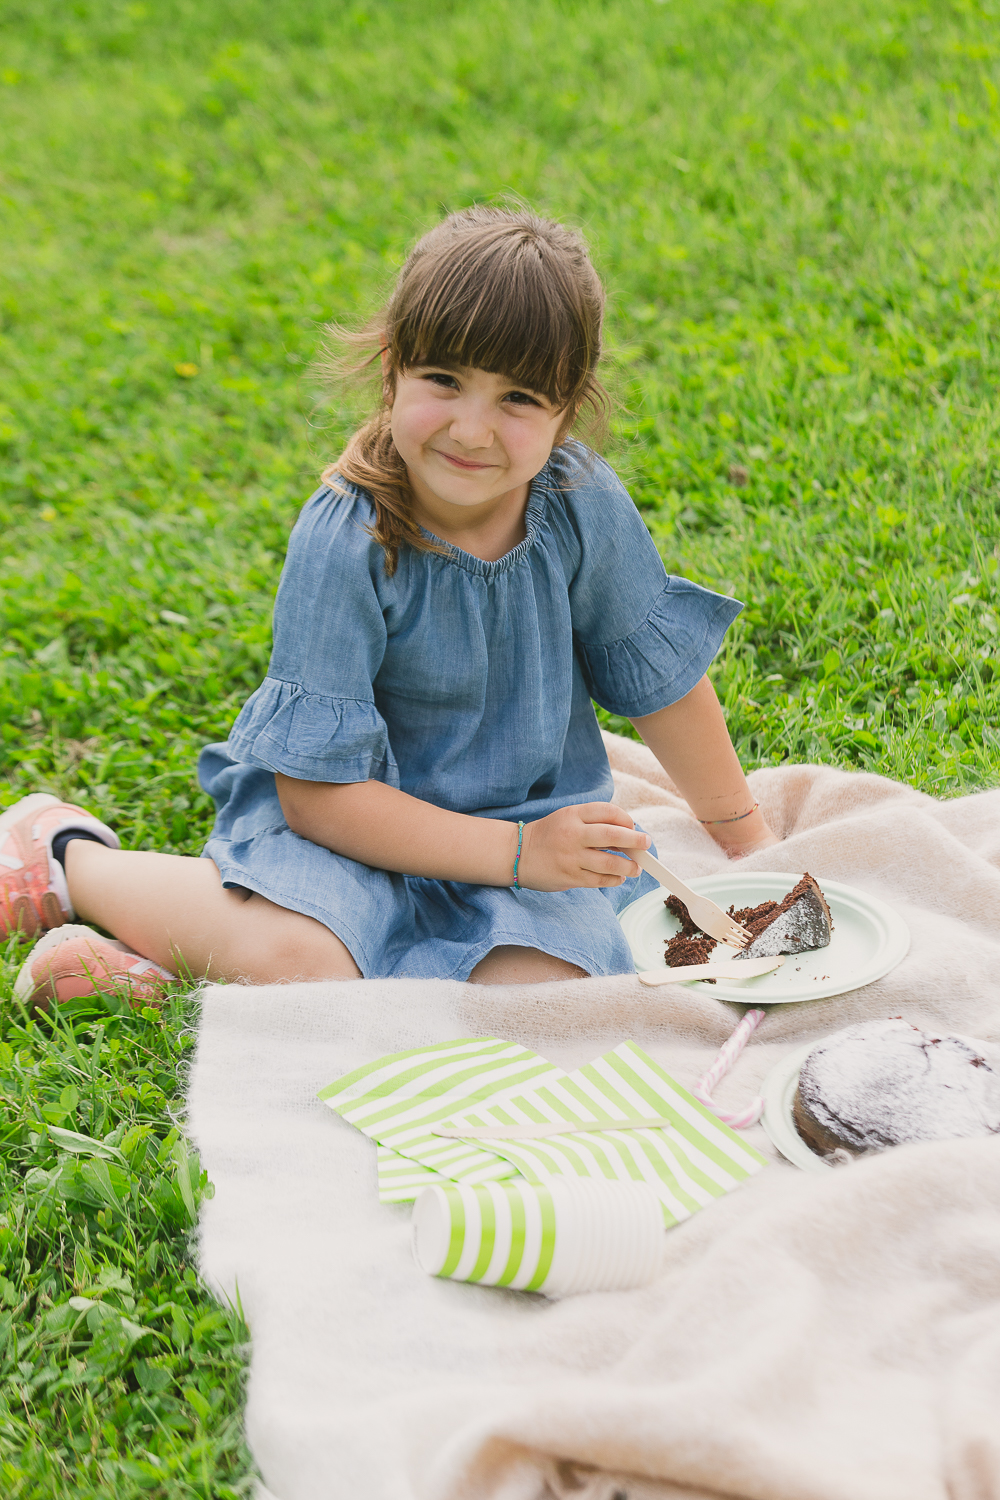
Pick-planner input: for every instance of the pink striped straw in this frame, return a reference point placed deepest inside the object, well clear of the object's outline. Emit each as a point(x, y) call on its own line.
point(728, 1053)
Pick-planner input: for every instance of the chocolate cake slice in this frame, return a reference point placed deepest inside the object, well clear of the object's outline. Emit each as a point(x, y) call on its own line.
point(798, 924)
point(885, 1083)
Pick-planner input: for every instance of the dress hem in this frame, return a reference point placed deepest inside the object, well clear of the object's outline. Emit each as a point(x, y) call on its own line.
point(234, 875)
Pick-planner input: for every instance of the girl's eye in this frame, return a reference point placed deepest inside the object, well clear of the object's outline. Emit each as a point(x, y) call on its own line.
point(521, 398)
point(438, 377)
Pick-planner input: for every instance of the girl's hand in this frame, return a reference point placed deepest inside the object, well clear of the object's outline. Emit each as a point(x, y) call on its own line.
point(567, 849)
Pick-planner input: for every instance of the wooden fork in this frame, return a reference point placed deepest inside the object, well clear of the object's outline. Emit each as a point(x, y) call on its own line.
point(704, 913)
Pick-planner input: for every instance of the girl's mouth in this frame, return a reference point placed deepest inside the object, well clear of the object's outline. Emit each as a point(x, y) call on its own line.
point(462, 463)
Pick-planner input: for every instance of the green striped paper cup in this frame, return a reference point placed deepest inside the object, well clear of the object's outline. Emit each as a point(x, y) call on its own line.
point(574, 1234)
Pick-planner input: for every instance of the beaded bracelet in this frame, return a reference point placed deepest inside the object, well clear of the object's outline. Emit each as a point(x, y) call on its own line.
point(517, 856)
point(738, 819)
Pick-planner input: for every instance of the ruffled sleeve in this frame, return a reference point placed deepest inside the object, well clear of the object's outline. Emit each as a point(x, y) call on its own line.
point(311, 736)
point(314, 717)
point(664, 657)
point(643, 638)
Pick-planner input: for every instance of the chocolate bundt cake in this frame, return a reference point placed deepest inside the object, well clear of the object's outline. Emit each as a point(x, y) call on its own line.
point(885, 1083)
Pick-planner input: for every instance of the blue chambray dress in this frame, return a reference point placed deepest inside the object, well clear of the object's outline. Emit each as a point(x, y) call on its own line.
point(465, 683)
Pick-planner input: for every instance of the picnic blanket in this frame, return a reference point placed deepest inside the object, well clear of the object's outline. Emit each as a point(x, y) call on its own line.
point(829, 1336)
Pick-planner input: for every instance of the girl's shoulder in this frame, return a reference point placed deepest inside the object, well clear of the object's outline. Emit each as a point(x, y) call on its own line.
point(337, 508)
point(334, 527)
point(585, 493)
point(579, 475)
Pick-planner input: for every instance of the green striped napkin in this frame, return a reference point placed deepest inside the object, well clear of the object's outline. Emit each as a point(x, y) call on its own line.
point(396, 1099)
point(400, 1178)
point(476, 1083)
point(688, 1162)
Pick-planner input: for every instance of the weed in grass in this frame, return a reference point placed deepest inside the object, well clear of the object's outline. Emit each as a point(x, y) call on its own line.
point(795, 207)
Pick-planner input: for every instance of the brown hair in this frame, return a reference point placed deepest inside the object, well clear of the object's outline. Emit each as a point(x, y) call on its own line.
point(489, 289)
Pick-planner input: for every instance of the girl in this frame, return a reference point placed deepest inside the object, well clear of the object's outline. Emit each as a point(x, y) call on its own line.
point(419, 786)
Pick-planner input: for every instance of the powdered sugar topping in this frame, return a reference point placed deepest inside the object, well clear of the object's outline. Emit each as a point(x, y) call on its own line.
point(886, 1082)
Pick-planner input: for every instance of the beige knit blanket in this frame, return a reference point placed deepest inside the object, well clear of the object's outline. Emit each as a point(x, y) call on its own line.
point(815, 1336)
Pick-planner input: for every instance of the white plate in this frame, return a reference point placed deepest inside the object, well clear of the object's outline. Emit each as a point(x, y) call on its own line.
point(868, 940)
point(778, 1118)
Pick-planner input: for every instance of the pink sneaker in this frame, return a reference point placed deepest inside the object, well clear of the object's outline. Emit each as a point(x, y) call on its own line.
point(33, 891)
point(73, 961)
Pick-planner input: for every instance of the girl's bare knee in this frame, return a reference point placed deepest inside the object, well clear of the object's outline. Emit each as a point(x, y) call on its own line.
point(513, 965)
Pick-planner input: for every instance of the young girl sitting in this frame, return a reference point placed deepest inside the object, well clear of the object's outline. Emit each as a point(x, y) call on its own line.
point(419, 786)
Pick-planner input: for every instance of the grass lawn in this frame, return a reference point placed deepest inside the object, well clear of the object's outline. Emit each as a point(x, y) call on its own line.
point(795, 208)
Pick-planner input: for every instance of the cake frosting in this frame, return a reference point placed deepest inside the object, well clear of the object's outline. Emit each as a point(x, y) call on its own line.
point(885, 1083)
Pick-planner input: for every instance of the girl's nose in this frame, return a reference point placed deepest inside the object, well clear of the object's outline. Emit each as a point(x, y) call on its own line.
point(471, 425)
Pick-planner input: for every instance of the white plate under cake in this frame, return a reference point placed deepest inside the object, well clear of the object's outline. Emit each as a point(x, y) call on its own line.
point(868, 938)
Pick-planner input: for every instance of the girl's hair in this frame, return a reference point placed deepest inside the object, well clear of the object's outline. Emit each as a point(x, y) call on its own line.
point(489, 289)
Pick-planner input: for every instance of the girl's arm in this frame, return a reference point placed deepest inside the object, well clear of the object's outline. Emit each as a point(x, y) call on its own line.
point(381, 826)
point(690, 740)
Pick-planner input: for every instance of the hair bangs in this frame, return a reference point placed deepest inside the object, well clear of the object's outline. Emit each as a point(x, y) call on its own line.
point(505, 312)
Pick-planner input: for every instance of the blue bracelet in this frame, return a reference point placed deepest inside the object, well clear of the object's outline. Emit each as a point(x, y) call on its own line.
point(517, 856)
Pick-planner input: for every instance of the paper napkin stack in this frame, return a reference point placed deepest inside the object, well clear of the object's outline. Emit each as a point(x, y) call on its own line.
point(479, 1084)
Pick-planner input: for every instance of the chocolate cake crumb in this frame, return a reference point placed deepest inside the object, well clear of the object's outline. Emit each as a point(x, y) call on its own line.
point(682, 950)
point(690, 945)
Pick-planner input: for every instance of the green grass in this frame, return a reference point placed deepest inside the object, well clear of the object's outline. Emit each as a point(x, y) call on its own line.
point(118, 1377)
point(795, 208)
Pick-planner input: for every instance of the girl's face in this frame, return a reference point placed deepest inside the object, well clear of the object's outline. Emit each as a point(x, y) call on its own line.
point(469, 438)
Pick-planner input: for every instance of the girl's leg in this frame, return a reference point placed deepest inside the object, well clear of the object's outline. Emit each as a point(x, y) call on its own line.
point(175, 911)
point(512, 965)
